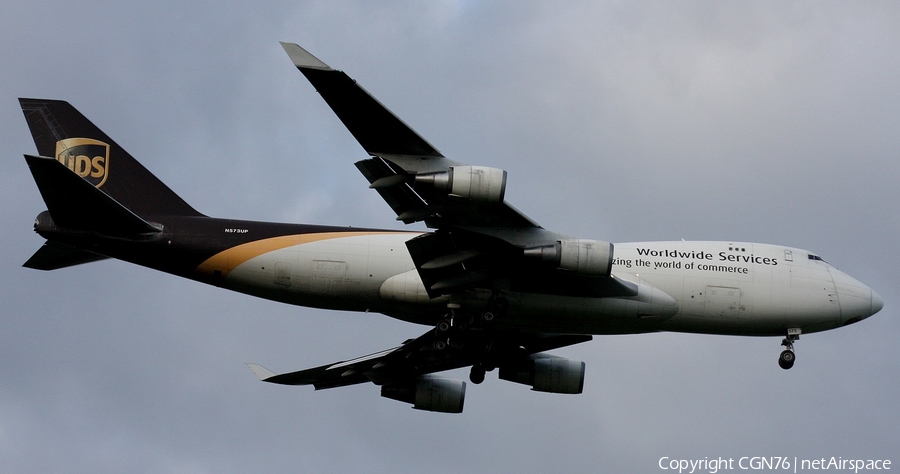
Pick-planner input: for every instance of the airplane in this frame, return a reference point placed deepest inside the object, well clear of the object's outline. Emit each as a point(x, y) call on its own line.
point(495, 289)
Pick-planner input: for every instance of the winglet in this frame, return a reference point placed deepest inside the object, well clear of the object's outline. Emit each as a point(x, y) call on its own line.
point(261, 372)
point(302, 58)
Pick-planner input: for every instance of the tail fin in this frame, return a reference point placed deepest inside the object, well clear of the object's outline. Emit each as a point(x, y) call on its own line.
point(75, 205)
point(63, 133)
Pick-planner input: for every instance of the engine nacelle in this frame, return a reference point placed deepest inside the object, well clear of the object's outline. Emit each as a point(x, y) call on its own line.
point(582, 256)
point(429, 393)
point(477, 183)
point(546, 373)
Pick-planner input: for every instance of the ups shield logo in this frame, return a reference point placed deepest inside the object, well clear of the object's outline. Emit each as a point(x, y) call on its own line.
point(86, 157)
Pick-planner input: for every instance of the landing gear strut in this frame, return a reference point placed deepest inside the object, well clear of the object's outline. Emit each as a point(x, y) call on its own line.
point(787, 357)
point(476, 375)
point(469, 333)
point(444, 329)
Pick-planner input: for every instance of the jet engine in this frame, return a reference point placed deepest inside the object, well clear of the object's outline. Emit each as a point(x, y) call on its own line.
point(430, 394)
point(477, 183)
point(582, 256)
point(546, 373)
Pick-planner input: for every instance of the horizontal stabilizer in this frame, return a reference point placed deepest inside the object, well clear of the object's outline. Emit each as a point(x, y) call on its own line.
point(75, 204)
point(52, 256)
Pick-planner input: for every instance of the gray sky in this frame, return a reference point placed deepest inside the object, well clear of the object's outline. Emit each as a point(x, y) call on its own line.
point(770, 122)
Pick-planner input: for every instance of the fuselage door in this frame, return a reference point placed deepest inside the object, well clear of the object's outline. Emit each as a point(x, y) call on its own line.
point(723, 302)
point(283, 274)
point(329, 277)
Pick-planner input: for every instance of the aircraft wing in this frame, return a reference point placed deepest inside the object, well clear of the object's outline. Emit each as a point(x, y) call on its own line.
point(481, 240)
point(418, 357)
point(398, 154)
point(374, 126)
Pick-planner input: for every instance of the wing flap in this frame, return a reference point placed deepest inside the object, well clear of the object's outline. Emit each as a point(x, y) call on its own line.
point(393, 186)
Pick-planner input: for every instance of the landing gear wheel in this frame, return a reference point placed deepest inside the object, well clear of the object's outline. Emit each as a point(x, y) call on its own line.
point(444, 325)
point(476, 375)
point(786, 359)
point(439, 345)
point(496, 309)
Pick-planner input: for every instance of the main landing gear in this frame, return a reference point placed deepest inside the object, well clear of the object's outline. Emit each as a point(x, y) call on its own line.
point(472, 332)
point(787, 357)
point(459, 325)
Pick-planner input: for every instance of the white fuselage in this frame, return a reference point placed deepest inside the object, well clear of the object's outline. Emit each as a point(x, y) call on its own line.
point(706, 287)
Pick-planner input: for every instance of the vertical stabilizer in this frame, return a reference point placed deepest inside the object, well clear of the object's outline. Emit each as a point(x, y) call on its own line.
point(63, 133)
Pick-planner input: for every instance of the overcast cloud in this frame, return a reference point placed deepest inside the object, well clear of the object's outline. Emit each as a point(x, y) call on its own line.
point(774, 122)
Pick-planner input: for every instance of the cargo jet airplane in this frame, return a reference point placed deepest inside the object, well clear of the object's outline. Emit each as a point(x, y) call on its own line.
point(495, 289)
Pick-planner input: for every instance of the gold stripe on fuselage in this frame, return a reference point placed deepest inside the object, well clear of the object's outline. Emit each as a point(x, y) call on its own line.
point(227, 260)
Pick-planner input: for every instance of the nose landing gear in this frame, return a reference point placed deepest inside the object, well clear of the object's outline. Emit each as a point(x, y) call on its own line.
point(787, 357)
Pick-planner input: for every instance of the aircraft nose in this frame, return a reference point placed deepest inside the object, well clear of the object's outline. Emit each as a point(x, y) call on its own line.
point(877, 303)
point(857, 301)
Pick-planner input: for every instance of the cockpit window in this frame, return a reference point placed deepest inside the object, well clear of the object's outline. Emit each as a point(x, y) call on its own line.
point(816, 257)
